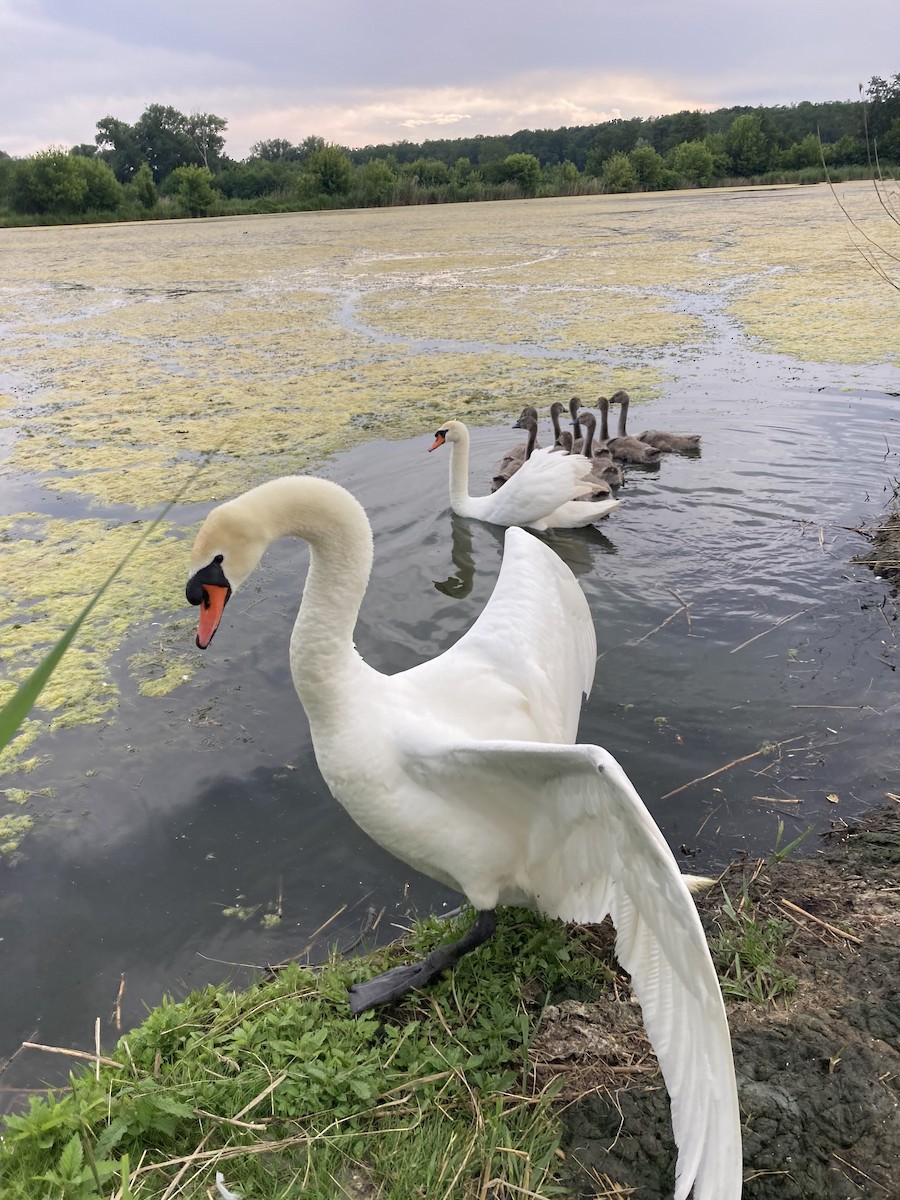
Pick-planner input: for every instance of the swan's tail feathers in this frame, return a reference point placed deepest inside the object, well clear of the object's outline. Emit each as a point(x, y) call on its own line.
point(698, 883)
point(573, 834)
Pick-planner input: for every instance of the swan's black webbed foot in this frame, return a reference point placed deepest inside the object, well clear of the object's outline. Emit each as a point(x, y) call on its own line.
point(406, 978)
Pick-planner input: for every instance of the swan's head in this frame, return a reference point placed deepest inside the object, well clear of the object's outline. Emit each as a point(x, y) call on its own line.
point(574, 405)
point(603, 404)
point(226, 550)
point(453, 431)
point(557, 408)
point(587, 419)
point(620, 397)
point(528, 414)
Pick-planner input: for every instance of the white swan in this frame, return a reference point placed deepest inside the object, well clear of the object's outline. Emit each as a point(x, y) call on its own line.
point(465, 768)
point(541, 495)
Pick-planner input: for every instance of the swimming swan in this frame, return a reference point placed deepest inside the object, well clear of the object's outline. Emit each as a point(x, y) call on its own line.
point(513, 459)
point(465, 768)
point(666, 443)
point(541, 495)
point(623, 447)
point(511, 462)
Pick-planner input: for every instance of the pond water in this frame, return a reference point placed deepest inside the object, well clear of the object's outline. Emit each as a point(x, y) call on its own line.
point(734, 629)
point(210, 799)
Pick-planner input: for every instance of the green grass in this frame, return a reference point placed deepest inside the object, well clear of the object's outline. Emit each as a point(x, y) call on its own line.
point(746, 952)
point(286, 1094)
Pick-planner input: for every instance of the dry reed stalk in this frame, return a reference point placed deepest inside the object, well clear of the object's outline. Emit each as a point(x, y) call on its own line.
point(107, 1062)
point(734, 763)
point(832, 929)
point(771, 629)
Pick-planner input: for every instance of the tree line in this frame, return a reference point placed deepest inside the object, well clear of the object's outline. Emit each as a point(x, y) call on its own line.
point(168, 163)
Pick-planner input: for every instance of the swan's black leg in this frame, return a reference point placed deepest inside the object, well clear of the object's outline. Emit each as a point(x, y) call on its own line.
point(400, 980)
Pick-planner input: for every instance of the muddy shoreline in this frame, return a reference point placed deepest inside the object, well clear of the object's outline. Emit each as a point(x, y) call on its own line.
point(818, 1071)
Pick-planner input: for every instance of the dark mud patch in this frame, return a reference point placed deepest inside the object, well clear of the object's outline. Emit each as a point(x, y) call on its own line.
point(818, 1072)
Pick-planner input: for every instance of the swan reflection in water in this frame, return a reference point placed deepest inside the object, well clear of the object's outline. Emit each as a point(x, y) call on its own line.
point(576, 547)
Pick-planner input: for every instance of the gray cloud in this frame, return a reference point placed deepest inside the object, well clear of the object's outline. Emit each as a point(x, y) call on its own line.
point(358, 71)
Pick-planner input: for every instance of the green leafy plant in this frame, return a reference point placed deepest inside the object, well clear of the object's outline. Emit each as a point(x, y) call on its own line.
point(746, 952)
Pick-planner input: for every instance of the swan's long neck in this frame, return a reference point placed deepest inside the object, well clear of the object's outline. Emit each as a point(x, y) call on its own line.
point(604, 419)
point(459, 470)
point(623, 416)
point(589, 428)
point(322, 655)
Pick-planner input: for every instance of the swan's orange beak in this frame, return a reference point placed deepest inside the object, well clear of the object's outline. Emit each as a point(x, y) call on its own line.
point(211, 609)
point(439, 440)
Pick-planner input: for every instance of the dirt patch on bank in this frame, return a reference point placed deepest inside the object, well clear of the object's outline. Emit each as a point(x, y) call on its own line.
point(818, 1070)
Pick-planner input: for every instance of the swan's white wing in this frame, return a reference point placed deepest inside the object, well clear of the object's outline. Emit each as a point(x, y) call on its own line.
point(542, 484)
point(572, 831)
point(522, 667)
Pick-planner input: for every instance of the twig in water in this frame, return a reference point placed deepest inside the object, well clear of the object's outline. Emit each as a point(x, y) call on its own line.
point(15, 1054)
point(661, 625)
point(778, 799)
point(687, 608)
point(734, 763)
point(777, 625)
point(116, 1015)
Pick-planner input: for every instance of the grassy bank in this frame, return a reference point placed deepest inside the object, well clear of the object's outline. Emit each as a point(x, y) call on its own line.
point(285, 1094)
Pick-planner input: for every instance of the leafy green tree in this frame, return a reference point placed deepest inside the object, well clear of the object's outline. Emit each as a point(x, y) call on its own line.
point(256, 177)
point(118, 145)
point(193, 189)
point(748, 145)
point(884, 103)
point(275, 150)
point(715, 144)
point(205, 131)
point(164, 141)
point(142, 189)
point(49, 182)
point(428, 172)
point(331, 170)
point(618, 174)
point(802, 154)
point(889, 146)
point(376, 182)
point(562, 177)
point(686, 126)
point(463, 173)
point(846, 151)
point(103, 192)
point(522, 169)
point(593, 162)
point(84, 150)
point(309, 146)
point(648, 165)
point(692, 162)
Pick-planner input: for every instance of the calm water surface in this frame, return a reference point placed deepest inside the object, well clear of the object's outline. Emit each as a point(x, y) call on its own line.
point(211, 797)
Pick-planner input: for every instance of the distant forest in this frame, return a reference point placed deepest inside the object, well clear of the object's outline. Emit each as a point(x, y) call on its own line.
point(170, 164)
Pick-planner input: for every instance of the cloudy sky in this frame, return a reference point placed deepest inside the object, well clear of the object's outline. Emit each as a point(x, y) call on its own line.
point(363, 71)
